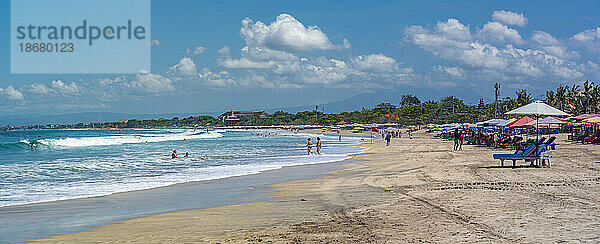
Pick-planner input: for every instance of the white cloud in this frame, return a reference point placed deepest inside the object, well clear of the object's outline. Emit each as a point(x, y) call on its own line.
point(453, 71)
point(254, 58)
point(151, 83)
point(11, 93)
point(185, 67)
point(454, 44)
point(509, 18)
point(286, 33)
point(376, 63)
point(71, 88)
point(220, 79)
point(40, 89)
point(346, 44)
point(453, 29)
point(268, 58)
point(195, 51)
point(551, 45)
point(589, 38)
point(499, 33)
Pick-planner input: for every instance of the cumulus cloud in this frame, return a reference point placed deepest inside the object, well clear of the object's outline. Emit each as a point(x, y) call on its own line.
point(151, 83)
point(39, 89)
point(254, 59)
point(11, 93)
point(185, 67)
point(220, 79)
point(62, 87)
point(450, 40)
point(509, 18)
point(378, 63)
point(589, 38)
point(453, 71)
point(551, 45)
point(499, 33)
point(286, 33)
point(195, 51)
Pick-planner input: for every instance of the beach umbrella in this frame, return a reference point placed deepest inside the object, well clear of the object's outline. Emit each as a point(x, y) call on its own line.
point(593, 120)
point(585, 116)
point(538, 108)
point(519, 122)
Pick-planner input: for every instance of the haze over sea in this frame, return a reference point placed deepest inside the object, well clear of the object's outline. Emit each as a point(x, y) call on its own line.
point(69, 164)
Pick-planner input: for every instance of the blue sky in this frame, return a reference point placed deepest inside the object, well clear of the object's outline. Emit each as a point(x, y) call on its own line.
point(213, 55)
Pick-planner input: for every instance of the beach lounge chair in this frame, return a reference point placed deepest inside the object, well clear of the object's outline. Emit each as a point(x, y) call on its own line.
point(515, 140)
point(550, 142)
point(592, 138)
point(529, 154)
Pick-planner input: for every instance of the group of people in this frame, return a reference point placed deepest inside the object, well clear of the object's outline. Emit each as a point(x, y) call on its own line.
point(174, 155)
point(393, 134)
point(309, 145)
point(459, 139)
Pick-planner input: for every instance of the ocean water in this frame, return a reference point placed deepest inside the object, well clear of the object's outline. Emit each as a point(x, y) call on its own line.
point(68, 164)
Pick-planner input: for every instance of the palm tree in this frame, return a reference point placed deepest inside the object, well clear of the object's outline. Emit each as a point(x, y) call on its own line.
point(550, 98)
point(523, 98)
point(574, 97)
point(561, 96)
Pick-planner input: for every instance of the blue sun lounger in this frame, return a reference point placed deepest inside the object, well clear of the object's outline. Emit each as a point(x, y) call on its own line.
point(529, 154)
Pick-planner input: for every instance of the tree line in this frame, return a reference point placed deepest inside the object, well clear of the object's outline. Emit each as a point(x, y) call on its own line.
point(410, 111)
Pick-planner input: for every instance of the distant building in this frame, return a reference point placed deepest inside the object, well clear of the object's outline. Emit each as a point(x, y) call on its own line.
point(233, 117)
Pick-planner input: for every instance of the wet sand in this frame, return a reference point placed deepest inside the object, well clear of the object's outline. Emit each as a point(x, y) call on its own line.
point(412, 191)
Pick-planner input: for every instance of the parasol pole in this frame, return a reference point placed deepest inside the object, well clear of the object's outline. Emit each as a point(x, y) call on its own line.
point(537, 129)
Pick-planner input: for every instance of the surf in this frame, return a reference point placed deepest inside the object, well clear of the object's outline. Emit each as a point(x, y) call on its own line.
point(127, 139)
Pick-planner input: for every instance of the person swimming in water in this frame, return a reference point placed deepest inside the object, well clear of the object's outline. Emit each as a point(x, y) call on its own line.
point(32, 145)
point(174, 154)
point(187, 155)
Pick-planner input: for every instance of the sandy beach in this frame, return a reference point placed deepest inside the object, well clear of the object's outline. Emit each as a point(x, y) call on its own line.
point(415, 190)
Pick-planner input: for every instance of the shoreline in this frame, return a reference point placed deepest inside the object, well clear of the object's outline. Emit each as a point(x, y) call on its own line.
point(242, 189)
point(252, 186)
point(201, 180)
point(413, 191)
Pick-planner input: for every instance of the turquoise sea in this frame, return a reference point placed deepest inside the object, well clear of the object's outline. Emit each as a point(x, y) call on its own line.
point(69, 164)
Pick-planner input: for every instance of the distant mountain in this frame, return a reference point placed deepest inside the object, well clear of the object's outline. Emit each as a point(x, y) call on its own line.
point(357, 102)
point(74, 118)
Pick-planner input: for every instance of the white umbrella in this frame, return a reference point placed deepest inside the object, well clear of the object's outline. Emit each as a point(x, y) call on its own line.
point(538, 108)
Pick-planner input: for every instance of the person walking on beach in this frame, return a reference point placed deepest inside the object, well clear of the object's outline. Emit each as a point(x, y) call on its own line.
point(388, 138)
point(496, 138)
point(319, 145)
point(456, 139)
point(309, 146)
point(174, 154)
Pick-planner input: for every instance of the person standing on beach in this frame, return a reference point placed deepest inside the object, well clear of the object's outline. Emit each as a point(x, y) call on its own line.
point(388, 138)
point(462, 140)
point(309, 146)
point(456, 139)
point(340, 138)
point(496, 138)
point(319, 145)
